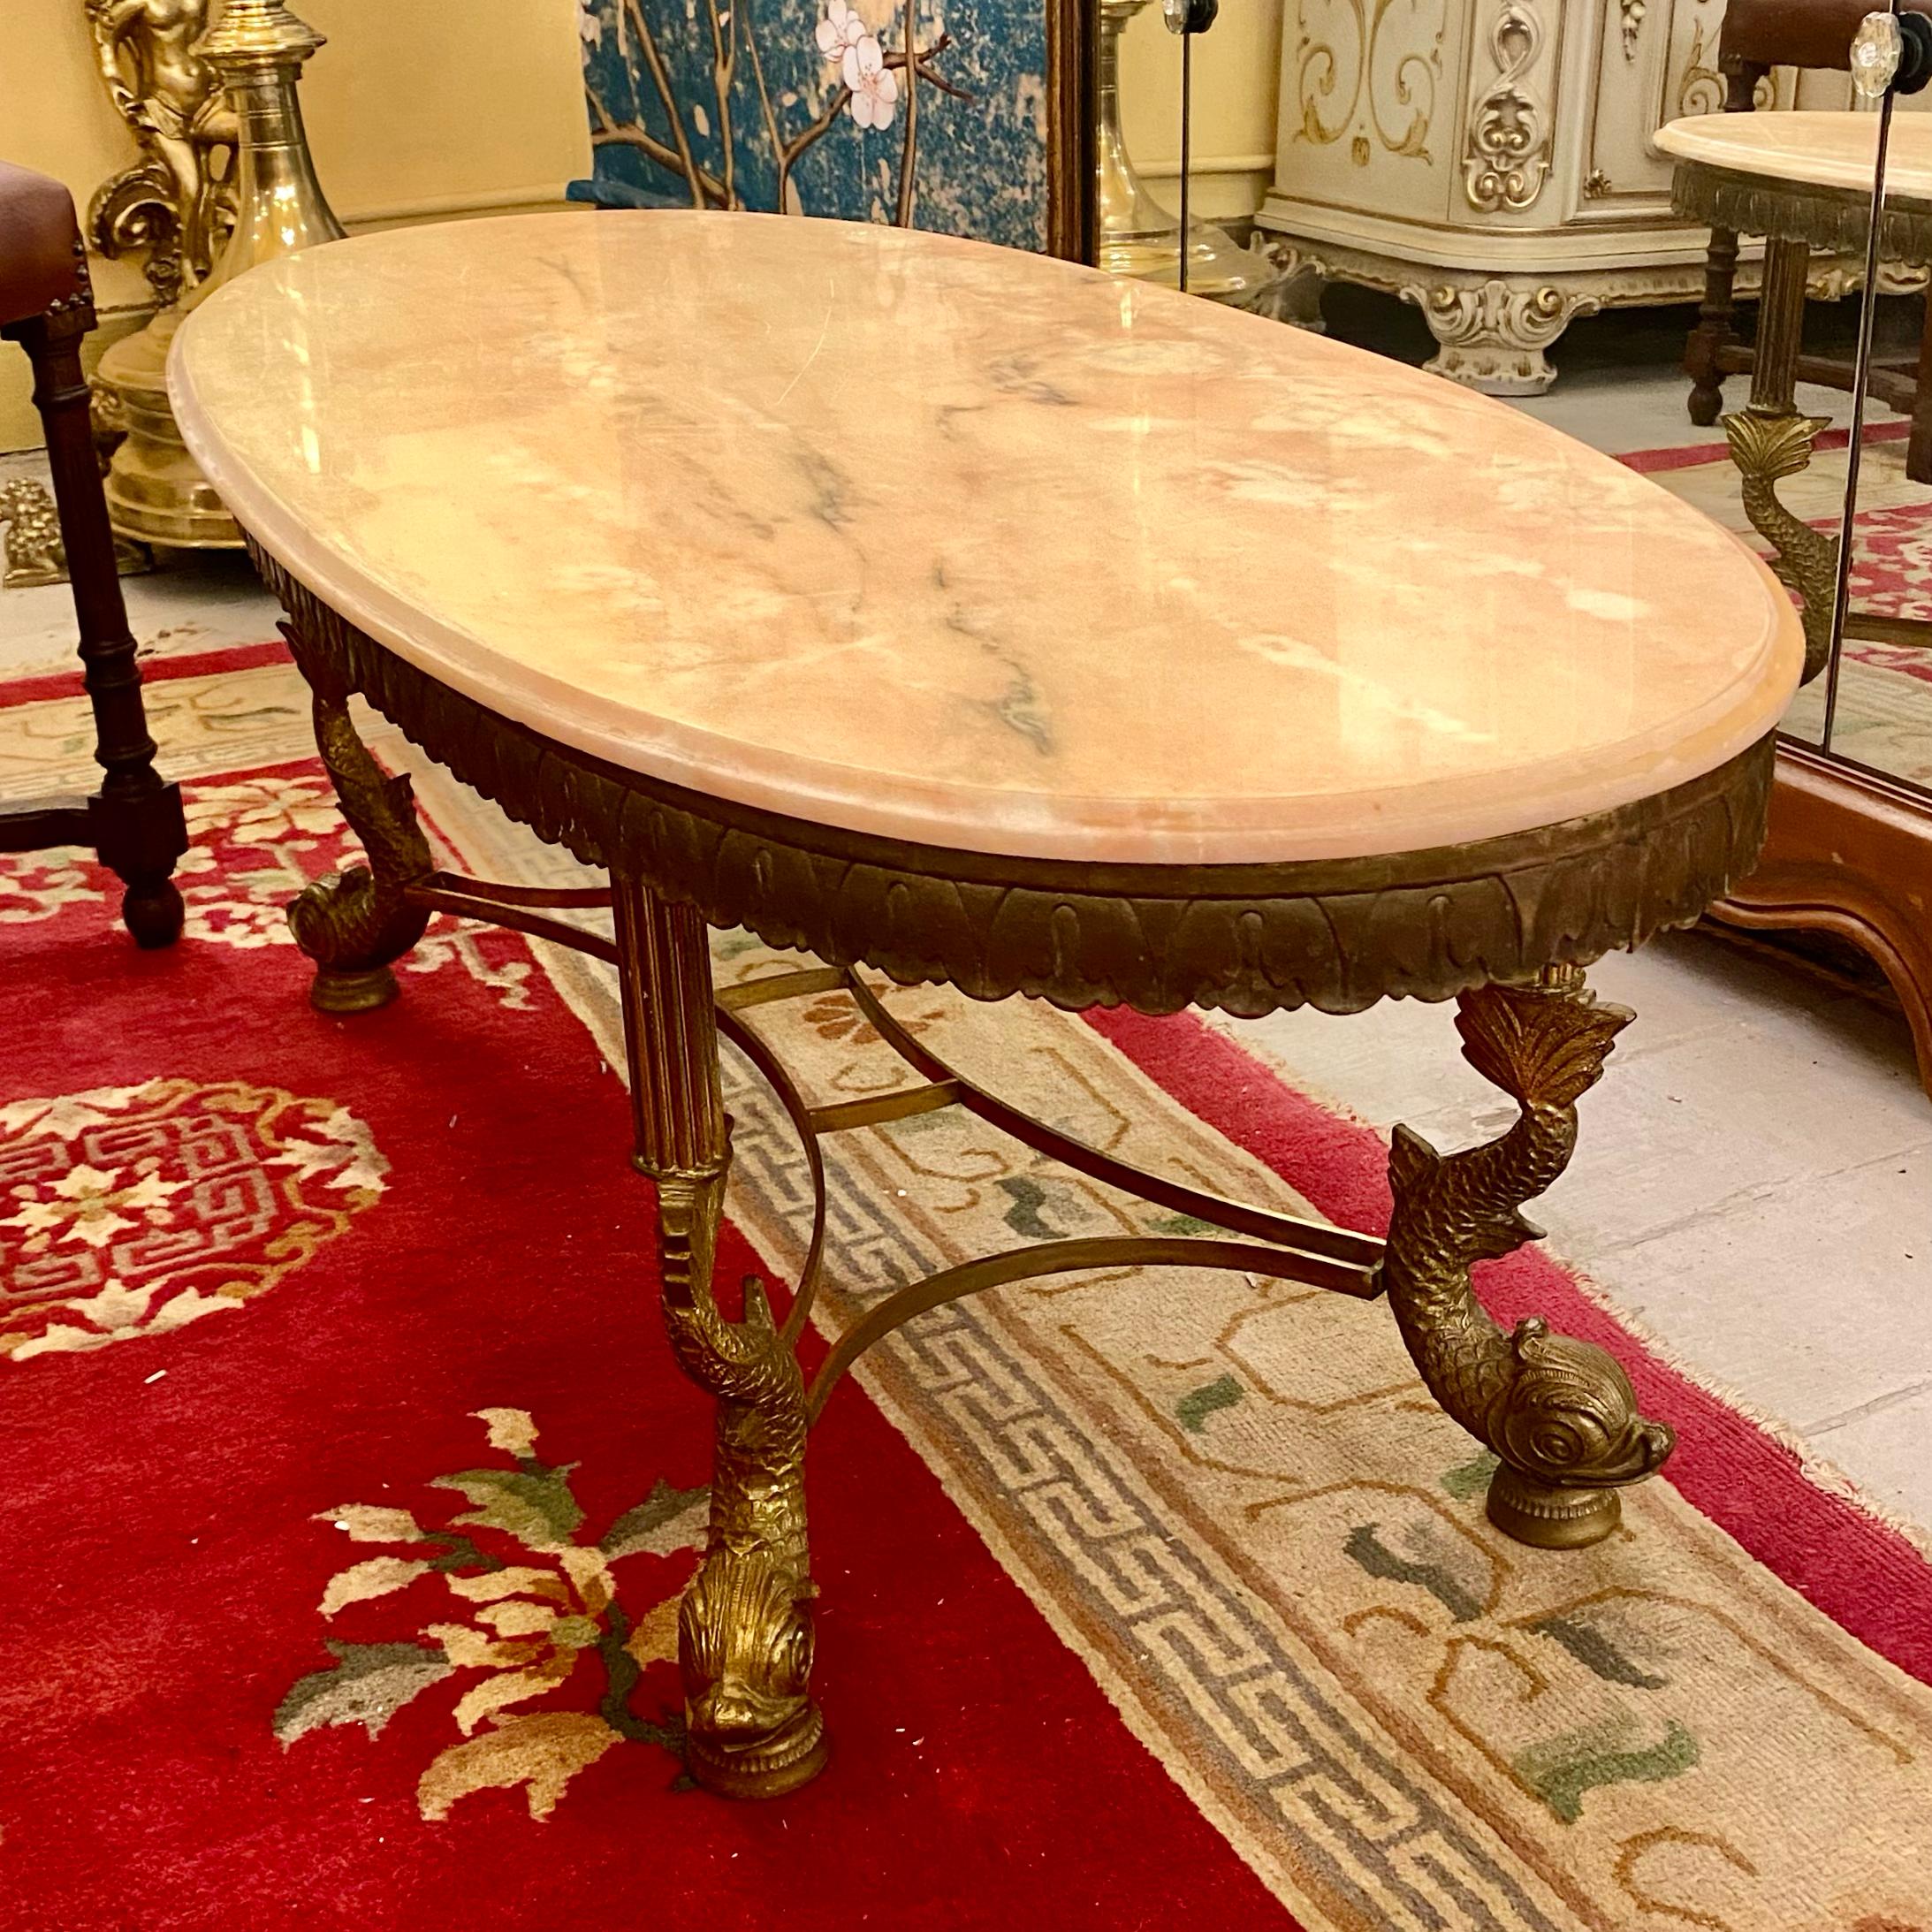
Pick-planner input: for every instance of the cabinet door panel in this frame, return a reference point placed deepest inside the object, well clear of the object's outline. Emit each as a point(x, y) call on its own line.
point(1642, 53)
point(1368, 104)
point(1510, 156)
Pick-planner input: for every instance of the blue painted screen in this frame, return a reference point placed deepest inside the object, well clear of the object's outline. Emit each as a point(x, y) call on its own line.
point(823, 108)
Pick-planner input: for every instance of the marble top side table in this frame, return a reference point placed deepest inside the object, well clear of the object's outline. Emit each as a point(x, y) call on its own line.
point(1803, 181)
point(895, 597)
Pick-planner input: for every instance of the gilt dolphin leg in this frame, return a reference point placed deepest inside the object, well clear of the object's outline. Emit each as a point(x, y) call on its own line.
point(745, 1627)
point(1560, 1414)
point(1770, 441)
point(354, 925)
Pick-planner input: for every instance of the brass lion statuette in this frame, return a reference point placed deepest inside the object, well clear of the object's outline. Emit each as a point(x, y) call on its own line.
point(1560, 1413)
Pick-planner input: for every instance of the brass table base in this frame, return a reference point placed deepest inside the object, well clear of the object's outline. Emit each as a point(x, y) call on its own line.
point(1560, 1414)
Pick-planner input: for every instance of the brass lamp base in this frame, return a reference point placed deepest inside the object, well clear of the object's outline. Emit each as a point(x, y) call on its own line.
point(1551, 1515)
point(341, 992)
point(155, 491)
point(1216, 266)
point(1139, 239)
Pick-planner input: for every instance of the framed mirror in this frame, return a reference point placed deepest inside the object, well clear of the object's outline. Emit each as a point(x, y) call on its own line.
point(1833, 453)
point(1647, 225)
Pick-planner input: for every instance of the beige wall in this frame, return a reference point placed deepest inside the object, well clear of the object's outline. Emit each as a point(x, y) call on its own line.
point(416, 108)
point(1237, 74)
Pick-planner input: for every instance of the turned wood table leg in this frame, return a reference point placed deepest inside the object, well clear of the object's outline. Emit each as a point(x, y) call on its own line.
point(745, 1627)
point(1559, 1413)
point(355, 924)
point(1716, 315)
point(134, 820)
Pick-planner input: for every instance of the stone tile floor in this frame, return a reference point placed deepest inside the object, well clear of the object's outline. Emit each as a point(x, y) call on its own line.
point(1754, 1180)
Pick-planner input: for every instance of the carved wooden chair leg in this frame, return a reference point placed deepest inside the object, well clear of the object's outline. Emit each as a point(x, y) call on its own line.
point(355, 924)
point(1714, 331)
point(1559, 1413)
point(1716, 315)
point(745, 1627)
point(134, 821)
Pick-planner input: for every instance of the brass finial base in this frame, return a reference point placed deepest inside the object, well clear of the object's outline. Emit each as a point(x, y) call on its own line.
point(155, 491)
point(765, 1771)
point(346, 992)
point(1138, 237)
point(260, 31)
point(1546, 1517)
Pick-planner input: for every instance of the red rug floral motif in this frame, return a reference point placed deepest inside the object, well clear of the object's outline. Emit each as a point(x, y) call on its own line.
point(546, 1613)
point(1891, 562)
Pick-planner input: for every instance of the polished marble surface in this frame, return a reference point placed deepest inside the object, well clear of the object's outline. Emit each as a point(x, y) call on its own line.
point(1830, 151)
point(915, 536)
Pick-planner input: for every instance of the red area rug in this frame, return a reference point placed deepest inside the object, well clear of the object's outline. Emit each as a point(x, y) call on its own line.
point(429, 1213)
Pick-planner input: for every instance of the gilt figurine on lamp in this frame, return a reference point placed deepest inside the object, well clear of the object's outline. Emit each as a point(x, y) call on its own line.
point(254, 59)
point(223, 181)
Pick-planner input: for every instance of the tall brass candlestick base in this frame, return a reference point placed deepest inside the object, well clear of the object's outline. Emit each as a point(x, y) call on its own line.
point(1138, 237)
point(154, 489)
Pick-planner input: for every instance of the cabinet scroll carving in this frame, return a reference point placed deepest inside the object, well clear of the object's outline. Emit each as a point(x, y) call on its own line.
point(1508, 157)
point(1392, 92)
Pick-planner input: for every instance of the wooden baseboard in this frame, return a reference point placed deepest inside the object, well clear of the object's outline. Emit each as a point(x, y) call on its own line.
point(1849, 852)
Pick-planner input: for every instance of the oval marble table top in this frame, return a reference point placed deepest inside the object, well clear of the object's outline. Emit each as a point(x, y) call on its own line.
point(923, 538)
point(1814, 149)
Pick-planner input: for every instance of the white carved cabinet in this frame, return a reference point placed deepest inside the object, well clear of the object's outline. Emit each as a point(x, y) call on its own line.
point(1490, 161)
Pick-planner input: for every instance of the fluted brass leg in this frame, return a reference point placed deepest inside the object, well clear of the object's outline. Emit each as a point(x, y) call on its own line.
point(356, 925)
point(1559, 1413)
point(1770, 441)
point(745, 1628)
